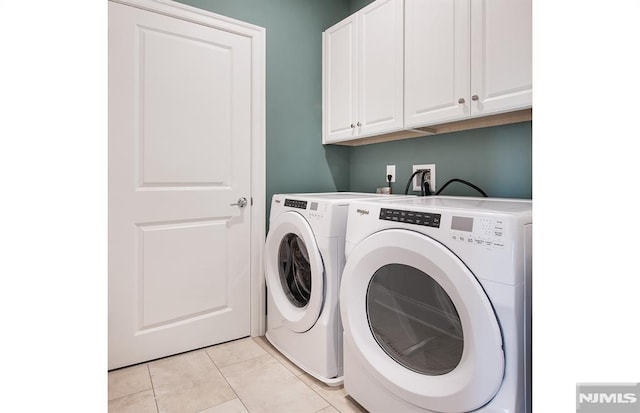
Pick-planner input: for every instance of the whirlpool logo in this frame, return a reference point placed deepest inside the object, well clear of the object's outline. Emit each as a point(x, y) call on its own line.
point(608, 398)
point(362, 211)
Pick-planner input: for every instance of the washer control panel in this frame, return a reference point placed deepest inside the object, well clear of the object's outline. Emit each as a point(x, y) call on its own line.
point(427, 219)
point(487, 232)
point(294, 203)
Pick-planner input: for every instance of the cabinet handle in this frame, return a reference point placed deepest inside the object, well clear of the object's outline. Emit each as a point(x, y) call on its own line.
point(474, 97)
point(359, 124)
point(353, 126)
point(461, 101)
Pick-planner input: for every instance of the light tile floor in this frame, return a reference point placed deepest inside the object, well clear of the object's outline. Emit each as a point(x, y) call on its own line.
point(243, 376)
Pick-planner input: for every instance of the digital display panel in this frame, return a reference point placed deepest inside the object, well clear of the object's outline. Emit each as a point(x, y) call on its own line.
point(462, 224)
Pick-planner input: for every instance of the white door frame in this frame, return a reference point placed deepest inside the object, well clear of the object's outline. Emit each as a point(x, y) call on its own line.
point(257, 35)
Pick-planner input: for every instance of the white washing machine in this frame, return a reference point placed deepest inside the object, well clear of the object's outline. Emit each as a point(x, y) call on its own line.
point(435, 304)
point(304, 258)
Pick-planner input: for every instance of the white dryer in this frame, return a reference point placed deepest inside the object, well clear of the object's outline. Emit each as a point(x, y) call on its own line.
point(304, 258)
point(435, 304)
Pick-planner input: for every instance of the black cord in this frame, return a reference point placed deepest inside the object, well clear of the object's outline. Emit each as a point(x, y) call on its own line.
point(424, 186)
point(406, 189)
point(464, 182)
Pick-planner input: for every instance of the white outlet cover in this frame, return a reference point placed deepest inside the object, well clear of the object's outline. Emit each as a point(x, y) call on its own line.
point(391, 170)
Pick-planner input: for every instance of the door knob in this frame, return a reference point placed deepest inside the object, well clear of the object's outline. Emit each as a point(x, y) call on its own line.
point(242, 202)
point(474, 97)
point(461, 101)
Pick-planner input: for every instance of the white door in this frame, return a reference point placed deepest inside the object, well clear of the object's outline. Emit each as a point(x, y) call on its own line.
point(420, 322)
point(179, 156)
point(501, 67)
point(380, 68)
point(436, 61)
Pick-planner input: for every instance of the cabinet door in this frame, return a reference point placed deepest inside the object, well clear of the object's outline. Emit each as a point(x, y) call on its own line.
point(436, 61)
point(500, 55)
point(339, 82)
point(380, 68)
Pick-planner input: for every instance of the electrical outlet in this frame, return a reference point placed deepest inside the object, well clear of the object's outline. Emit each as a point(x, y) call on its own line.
point(391, 170)
point(430, 177)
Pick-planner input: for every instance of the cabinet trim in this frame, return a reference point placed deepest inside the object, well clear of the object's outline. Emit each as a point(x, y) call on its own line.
point(473, 123)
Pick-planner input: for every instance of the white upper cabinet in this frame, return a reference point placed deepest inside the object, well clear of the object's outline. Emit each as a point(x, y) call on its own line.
point(363, 61)
point(500, 55)
point(339, 110)
point(466, 59)
point(437, 61)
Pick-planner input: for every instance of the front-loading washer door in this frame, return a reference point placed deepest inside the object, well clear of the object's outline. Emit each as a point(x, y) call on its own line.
point(294, 271)
point(420, 322)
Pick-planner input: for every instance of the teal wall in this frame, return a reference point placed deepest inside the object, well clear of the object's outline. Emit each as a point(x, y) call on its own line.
point(296, 159)
point(496, 159)
point(355, 5)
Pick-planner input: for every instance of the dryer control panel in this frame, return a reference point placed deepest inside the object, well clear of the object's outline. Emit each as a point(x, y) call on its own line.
point(474, 231)
point(487, 232)
point(411, 217)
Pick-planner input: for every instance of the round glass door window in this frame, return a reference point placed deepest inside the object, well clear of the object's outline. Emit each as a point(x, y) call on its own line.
point(295, 270)
point(413, 319)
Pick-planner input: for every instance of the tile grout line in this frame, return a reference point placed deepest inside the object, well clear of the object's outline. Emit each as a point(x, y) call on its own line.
point(153, 388)
point(271, 355)
point(313, 390)
point(226, 381)
point(141, 391)
point(131, 394)
point(269, 352)
point(297, 376)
